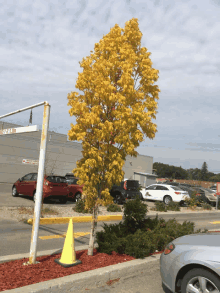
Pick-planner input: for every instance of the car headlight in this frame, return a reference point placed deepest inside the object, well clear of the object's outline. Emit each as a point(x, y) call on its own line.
point(169, 248)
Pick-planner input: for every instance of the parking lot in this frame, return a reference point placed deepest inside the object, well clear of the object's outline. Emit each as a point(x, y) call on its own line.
point(7, 200)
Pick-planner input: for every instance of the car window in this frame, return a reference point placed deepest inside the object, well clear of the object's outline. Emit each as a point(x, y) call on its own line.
point(72, 181)
point(34, 178)
point(56, 179)
point(176, 188)
point(27, 177)
point(161, 188)
point(153, 187)
point(209, 190)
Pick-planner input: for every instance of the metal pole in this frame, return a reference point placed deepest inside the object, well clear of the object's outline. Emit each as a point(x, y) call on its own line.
point(217, 202)
point(40, 180)
point(24, 109)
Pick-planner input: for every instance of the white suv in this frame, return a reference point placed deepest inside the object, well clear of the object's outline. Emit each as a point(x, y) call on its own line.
point(165, 193)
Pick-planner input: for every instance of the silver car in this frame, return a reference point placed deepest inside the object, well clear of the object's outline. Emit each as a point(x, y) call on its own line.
point(191, 264)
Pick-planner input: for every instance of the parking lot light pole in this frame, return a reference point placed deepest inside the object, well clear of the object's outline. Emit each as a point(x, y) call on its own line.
point(39, 189)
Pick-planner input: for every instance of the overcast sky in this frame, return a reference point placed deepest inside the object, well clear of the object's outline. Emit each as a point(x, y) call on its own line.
point(42, 43)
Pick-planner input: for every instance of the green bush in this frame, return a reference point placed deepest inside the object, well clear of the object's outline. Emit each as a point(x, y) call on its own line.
point(160, 206)
point(134, 214)
point(80, 207)
point(154, 234)
point(206, 206)
point(173, 206)
point(113, 208)
point(139, 245)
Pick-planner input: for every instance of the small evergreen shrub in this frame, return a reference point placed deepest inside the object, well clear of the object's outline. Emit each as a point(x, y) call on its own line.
point(173, 206)
point(134, 214)
point(206, 206)
point(160, 206)
point(139, 245)
point(154, 235)
point(80, 207)
point(113, 208)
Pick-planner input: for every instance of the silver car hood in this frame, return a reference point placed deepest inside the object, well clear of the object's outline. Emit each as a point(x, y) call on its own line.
point(200, 239)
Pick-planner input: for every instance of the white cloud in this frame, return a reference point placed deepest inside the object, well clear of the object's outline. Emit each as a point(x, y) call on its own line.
point(42, 42)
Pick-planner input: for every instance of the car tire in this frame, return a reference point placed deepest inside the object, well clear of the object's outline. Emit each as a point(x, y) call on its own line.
point(63, 200)
point(141, 197)
point(167, 199)
point(77, 197)
point(118, 199)
point(34, 196)
point(14, 192)
point(194, 277)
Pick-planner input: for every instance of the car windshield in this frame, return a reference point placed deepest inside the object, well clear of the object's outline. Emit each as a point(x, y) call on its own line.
point(72, 180)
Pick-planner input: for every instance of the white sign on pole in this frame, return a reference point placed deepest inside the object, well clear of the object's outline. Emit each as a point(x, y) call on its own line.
point(218, 187)
point(31, 162)
point(19, 129)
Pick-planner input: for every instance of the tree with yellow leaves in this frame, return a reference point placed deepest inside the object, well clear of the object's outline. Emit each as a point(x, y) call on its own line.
point(113, 112)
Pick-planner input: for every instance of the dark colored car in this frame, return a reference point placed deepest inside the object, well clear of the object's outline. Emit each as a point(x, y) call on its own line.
point(53, 187)
point(127, 189)
point(75, 190)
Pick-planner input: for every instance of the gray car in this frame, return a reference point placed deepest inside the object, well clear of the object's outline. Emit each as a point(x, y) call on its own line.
point(191, 264)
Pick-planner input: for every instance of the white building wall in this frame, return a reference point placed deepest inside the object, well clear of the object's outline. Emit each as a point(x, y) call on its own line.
point(61, 156)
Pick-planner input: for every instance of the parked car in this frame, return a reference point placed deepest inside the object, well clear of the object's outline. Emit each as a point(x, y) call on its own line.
point(191, 264)
point(210, 195)
point(75, 190)
point(165, 193)
point(214, 188)
point(128, 189)
point(54, 186)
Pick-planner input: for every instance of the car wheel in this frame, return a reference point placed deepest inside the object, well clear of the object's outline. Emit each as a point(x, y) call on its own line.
point(118, 199)
point(14, 191)
point(141, 197)
point(34, 196)
point(167, 199)
point(77, 197)
point(200, 280)
point(63, 199)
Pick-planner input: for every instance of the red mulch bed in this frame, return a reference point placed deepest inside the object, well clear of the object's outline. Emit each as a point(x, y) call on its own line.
point(14, 275)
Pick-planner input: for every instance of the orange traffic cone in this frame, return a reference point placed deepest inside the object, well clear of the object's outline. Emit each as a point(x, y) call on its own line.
point(68, 256)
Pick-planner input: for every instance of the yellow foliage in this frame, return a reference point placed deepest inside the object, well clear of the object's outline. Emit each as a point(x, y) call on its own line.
point(114, 110)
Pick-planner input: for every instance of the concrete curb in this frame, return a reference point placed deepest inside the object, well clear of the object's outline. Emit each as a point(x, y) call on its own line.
point(79, 282)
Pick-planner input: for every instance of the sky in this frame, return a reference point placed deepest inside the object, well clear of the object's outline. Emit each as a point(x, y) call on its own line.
point(42, 43)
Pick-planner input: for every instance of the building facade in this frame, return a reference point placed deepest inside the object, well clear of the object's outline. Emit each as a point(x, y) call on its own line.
point(19, 155)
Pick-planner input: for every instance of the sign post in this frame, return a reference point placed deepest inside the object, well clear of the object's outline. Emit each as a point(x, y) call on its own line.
point(39, 189)
point(40, 178)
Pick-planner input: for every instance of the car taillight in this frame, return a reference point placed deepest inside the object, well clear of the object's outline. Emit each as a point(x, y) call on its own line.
point(125, 185)
point(177, 192)
point(169, 248)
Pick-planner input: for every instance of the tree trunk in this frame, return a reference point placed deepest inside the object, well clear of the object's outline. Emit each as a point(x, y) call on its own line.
point(93, 230)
